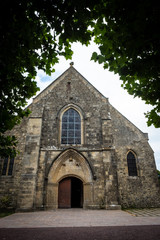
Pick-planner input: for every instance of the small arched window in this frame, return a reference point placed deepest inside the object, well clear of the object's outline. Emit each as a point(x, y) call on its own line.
point(8, 166)
point(71, 127)
point(131, 161)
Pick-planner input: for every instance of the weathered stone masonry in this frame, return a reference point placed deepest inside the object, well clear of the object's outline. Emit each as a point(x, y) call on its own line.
point(99, 161)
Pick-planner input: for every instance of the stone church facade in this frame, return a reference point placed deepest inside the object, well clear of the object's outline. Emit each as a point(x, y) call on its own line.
point(77, 150)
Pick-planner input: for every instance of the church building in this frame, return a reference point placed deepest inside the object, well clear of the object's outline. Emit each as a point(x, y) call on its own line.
point(77, 151)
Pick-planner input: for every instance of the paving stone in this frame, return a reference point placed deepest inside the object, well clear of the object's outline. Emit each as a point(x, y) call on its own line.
point(78, 218)
point(145, 212)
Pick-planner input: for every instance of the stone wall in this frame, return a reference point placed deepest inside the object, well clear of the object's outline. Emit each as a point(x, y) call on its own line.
point(10, 185)
point(100, 161)
point(142, 190)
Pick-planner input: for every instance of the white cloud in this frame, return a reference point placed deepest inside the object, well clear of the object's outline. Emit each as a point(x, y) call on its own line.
point(110, 86)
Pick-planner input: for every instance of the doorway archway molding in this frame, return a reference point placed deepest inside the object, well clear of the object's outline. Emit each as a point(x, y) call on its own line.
point(69, 163)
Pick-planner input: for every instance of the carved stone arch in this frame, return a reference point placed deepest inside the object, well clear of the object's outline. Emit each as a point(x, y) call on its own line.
point(69, 163)
point(71, 152)
point(70, 105)
point(71, 175)
point(133, 152)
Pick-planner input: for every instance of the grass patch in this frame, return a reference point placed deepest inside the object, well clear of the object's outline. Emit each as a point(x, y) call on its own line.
point(6, 212)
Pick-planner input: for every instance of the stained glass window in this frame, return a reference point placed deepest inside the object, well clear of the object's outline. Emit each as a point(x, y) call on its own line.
point(5, 165)
point(8, 166)
point(71, 127)
point(131, 161)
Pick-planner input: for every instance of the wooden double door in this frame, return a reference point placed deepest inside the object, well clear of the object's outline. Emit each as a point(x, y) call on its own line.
point(70, 193)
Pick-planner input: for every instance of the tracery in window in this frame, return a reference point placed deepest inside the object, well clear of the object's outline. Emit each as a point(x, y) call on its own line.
point(8, 166)
point(131, 161)
point(71, 127)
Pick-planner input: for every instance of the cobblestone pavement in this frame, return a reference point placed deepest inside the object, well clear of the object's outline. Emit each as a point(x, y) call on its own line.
point(81, 218)
point(146, 212)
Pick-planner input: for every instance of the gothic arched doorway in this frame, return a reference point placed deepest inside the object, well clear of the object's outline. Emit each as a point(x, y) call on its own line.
point(70, 193)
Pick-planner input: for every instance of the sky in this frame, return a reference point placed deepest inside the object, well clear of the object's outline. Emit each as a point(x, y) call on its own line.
point(110, 86)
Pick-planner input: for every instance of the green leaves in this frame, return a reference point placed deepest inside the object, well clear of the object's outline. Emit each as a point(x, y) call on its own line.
point(153, 117)
point(94, 56)
point(129, 45)
point(8, 146)
point(33, 36)
point(98, 58)
point(35, 33)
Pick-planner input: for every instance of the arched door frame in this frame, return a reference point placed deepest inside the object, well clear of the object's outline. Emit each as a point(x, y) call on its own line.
point(71, 151)
point(72, 195)
point(69, 163)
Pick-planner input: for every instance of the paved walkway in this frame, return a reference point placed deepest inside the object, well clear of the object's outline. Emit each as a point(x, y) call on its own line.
point(146, 212)
point(80, 218)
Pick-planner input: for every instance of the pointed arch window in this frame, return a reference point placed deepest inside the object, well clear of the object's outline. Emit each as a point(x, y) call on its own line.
point(132, 167)
point(71, 127)
point(8, 166)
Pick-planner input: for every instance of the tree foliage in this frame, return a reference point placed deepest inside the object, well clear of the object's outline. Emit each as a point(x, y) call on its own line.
point(128, 38)
point(35, 33)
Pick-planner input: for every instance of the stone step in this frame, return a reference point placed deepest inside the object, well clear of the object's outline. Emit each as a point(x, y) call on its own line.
point(113, 207)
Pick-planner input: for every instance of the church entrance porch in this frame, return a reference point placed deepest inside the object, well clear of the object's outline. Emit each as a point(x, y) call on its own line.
point(70, 182)
point(70, 193)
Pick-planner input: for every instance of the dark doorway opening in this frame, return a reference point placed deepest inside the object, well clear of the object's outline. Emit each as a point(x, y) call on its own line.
point(70, 193)
point(76, 193)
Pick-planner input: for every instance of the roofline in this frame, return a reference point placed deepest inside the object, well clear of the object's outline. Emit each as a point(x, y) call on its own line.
point(90, 84)
point(55, 80)
point(145, 134)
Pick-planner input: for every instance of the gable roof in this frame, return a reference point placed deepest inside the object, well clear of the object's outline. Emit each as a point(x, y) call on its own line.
point(60, 78)
point(71, 69)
